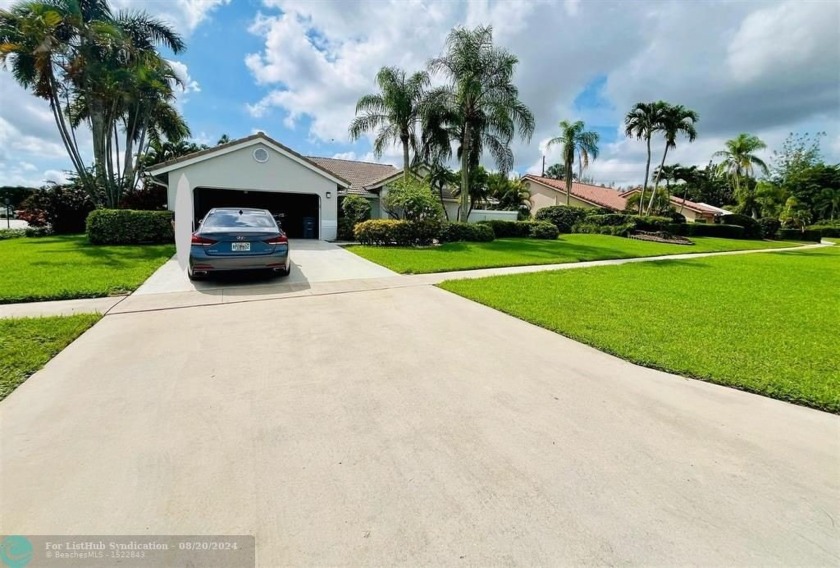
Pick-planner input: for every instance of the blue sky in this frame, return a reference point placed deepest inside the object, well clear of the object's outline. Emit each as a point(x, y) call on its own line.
point(295, 68)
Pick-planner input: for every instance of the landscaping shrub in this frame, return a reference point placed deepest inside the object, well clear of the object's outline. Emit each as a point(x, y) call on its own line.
point(345, 229)
point(411, 199)
point(610, 219)
point(388, 232)
point(827, 229)
point(768, 227)
point(472, 232)
point(128, 226)
point(509, 229)
point(677, 217)
point(37, 231)
point(543, 230)
point(598, 211)
point(653, 223)
point(797, 235)
point(752, 230)
point(621, 230)
point(714, 230)
point(355, 208)
point(12, 234)
point(64, 207)
point(563, 217)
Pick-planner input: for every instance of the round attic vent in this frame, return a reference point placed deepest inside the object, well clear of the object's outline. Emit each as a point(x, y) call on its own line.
point(261, 155)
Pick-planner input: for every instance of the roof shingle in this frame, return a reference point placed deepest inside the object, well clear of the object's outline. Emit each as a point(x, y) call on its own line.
point(360, 174)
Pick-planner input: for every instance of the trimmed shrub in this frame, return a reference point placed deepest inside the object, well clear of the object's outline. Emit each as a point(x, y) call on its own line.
point(12, 234)
point(563, 217)
point(129, 226)
point(598, 211)
point(712, 230)
point(37, 231)
point(608, 220)
point(509, 229)
point(64, 208)
point(355, 208)
point(752, 230)
point(345, 229)
point(471, 232)
point(543, 230)
point(621, 230)
point(677, 217)
point(653, 223)
point(797, 235)
point(827, 230)
point(395, 232)
point(768, 227)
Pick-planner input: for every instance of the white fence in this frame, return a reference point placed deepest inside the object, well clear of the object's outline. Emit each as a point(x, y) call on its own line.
point(490, 215)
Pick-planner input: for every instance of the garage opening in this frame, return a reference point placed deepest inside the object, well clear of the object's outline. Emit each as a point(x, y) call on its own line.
point(299, 212)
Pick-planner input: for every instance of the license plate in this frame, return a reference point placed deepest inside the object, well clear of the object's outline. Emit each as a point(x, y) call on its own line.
point(240, 247)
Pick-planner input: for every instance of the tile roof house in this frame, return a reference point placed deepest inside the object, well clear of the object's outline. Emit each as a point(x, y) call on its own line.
point(549, 191)
point(692, 211)
point(362, 176)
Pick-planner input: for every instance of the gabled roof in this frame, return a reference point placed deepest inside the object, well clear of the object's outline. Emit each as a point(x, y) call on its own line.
point(592, 194)
point(259, 137)
point(360, 175)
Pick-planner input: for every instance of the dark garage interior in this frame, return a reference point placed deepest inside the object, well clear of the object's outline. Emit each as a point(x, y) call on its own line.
point(299, 210)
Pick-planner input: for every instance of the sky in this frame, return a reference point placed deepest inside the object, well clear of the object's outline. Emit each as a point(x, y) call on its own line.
point(295, 69)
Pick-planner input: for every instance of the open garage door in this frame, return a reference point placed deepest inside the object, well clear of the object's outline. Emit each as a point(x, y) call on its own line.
point(299, 211)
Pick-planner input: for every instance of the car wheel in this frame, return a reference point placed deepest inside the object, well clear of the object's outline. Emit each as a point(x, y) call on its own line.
point(193, 276)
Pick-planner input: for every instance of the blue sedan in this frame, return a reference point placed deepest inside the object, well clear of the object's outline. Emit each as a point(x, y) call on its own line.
point(238, 239)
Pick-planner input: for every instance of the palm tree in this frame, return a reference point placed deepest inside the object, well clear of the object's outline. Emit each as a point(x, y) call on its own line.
point(480, 105)
point(394, 112)
point(739, 160)
point(675, 119)
point(575, 141)
point(642, 121)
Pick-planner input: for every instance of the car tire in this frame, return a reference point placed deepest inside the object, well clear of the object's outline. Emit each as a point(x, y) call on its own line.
point(193, 276)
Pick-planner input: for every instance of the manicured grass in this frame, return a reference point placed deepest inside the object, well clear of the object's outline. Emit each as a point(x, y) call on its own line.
point(520, 252)
point(766, 323)
point(67, 266)
point(26, 344)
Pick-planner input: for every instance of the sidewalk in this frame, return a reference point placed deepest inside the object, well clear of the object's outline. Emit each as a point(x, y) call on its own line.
point(279, 290)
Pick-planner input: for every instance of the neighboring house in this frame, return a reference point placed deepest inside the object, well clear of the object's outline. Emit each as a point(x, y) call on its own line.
point(546, 192)
point(693, 212)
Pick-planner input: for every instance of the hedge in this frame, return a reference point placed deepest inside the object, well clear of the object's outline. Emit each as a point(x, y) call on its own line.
point(707, 230)
point(797, 235)
point(752, 229)
point(542, 230)
point(25, 232)
point(472, 232)
point(830, 230)
point(769, 227)
point(564, 217)
point(619, 230)
point(386, 232)
point(509, 229)
point(128, 226)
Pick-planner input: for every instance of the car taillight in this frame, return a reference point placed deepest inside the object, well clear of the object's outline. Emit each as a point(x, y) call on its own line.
point(279, 240)
point(202, 241)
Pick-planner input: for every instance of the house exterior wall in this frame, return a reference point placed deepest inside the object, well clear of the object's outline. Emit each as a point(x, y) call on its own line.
point(238, 170)
point(477, 215)
point(542, 196)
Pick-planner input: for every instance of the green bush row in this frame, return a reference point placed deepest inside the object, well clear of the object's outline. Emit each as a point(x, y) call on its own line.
point(470, 232)
point(722, 231)
point(826, 230)
point(752, 228)
point(797, 235)
point(522, 229)
point(27, 232)
point(384, 232)
point(619, 230)
point(128, 226)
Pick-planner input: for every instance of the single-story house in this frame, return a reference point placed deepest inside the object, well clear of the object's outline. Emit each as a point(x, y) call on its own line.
point(546, 192)
point(549, 191)
point(258, 171)
point(693, 212)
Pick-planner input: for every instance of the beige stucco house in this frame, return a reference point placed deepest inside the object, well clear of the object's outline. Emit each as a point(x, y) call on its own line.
point(546, 192)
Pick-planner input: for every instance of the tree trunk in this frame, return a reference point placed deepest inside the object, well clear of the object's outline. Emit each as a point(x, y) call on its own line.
point(464, 207)
point(647, 173)
point(656, 182)
point(99, 131)
point(404, 140)
point(568, 186)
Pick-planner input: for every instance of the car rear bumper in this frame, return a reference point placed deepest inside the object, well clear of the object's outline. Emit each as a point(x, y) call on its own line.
point(200, 261)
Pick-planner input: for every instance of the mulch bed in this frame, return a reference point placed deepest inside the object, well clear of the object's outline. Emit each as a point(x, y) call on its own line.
point(661, 237)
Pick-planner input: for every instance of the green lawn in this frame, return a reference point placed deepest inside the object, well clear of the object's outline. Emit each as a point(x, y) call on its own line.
point(27, 344)
point(766, 323)
point(520, 252)
point(64, 267)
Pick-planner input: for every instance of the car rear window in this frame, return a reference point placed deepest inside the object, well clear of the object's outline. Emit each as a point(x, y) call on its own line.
point(244, 220)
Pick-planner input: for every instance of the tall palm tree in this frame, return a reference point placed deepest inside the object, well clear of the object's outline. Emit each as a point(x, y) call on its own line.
point(394, 112)
point(479, 104)
point(739, 161)
point(642, 121)
point(675, 120)
point(575, 141)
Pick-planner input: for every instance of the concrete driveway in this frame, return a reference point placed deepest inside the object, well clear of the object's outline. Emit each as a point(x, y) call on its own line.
point(409, 426)
point(312, 261)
